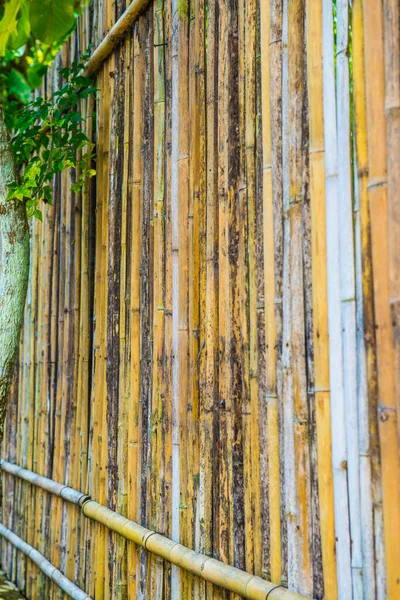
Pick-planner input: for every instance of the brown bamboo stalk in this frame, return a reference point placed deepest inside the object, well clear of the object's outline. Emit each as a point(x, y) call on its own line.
point(254, 477)
point(296, 423)
point(146, 34)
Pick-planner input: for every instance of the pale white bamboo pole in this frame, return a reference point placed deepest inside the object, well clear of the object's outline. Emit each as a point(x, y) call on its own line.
point(175, 516)
point(339, 450)
point(347, 290)
point(44, 565)
point(366, 504)
point(289, 571)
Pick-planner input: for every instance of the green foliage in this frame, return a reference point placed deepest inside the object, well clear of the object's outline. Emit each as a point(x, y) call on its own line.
point(46, 21)
point(48, 138)
point(31, 34)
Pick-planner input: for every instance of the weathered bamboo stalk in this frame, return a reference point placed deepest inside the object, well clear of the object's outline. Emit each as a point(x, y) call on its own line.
point(391, 31)
point(269, 299)
point(339, 450)
point(208, 408)
point(378, 204)
point(296, 416)
point(370, 483)
point(347, 288)
point(320, 293)
point(176, 306)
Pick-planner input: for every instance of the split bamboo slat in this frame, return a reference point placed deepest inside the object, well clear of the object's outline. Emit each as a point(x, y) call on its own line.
point(211, 337)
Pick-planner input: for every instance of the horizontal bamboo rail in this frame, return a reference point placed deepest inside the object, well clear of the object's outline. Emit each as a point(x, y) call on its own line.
point(114, 36)
point(44, 565)
point(209, 569)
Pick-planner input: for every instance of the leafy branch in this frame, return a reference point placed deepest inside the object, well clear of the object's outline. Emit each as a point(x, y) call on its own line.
point(48, 138)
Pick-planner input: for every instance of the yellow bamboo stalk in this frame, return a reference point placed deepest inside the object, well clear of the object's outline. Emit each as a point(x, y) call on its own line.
point(250, 136)
point(124, 320)
point(269, 299)
point(225, 200)
point(320, 295)
point(155, 588)
point(209, 400)
point(136, 212)
point(199, 265)
point(241, 291)
point(195, 47)
point(378, 202)
point(166, 525)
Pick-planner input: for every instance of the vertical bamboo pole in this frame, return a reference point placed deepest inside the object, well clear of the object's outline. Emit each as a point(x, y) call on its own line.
point(371, 494)
point(269, 292)
point(250, 136)
point(198, 192)
point(146, 274)
point(196, 221)
point(113, 319)
point(135, 305)
point(320, 294)
point(223, 447)
point(271, 68)
point(207, 415)
point(179, 214)
point(166, 526)
point(378, 202)
point(297, 473)
point(123, 172)
point(391, 28)
point(157, 509)
point(347, 285)
point(339, 450)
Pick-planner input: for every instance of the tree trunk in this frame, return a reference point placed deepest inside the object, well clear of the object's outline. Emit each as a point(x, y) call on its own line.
point(14, 270)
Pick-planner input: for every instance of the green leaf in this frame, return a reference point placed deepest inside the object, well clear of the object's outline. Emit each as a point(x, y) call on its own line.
point(51, 20)
point(8, 24)
point(38, 215)
point(18, 86)
point(19, 37)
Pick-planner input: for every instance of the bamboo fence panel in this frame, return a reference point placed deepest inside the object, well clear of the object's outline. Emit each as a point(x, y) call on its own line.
point(210, 341)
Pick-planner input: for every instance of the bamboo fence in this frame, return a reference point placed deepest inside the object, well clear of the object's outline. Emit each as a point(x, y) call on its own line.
point(211, 338)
